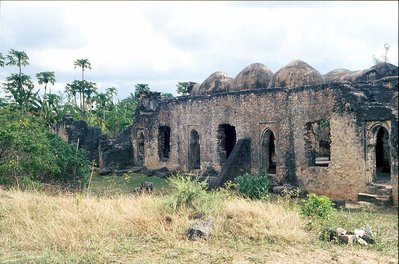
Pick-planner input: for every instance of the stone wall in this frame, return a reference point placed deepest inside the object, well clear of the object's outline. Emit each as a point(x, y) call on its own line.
point(285, 112)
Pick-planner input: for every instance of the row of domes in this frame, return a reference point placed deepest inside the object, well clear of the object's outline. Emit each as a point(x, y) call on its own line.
point(297, 73)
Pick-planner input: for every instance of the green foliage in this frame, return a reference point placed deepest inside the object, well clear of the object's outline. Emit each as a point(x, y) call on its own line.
point(17, 58)
point(2, 60)
point(254, 187)
point(188, 191)
point(192, 194)
point(182, 88)
point(29, 151)
point(317, 206)
point(167, 96)
point(141, 88)
point(45, 78)
point(19, 87)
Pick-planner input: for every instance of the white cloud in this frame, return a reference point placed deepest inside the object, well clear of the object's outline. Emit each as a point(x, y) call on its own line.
point(161, 43)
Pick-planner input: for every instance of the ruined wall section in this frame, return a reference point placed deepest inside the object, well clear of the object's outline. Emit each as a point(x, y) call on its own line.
point(285, 112)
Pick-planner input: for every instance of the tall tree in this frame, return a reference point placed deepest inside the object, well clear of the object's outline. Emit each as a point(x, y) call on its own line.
point(20, 85)
point(83, 64)
point(141, 88)
point(182, 88)
point(21, 89)
point(72, 89)
point(17, 58)
point(111, 91)
point(45, 78)
point(2, 60)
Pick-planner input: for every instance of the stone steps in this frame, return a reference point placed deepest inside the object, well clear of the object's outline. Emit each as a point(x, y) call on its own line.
point(379, 189)
point(380, 200)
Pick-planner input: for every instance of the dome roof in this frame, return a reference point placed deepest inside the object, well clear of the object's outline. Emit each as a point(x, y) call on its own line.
point(195, 89)
point(217, 82)
point(336, 75)
point(296, 73)
point(254, 76)
point(378, 71)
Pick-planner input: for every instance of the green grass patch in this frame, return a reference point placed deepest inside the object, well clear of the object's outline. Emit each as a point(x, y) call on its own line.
point(126, 183)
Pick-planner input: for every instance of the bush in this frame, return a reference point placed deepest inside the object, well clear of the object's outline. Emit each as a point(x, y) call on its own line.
point(188, 191)
point(254, 187)
point(191, 194)
point(29, 152)
point(317, 206)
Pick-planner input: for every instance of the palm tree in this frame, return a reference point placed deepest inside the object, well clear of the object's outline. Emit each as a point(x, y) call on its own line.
point(45, 77)
point(2, 59)
point(111, 91)
point(21, 89)
point(89, 88)
point(17, 58)
point(72, 89)
point(83, 64)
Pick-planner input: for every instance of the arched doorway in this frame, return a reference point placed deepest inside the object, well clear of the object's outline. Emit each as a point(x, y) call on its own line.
point(141, 149)
point(194, 156)
point(227, 138)
point(268, 152)
point(382, 155)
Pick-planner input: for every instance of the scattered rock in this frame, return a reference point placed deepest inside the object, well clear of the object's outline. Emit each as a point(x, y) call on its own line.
point(105, 171)
point(199, 230)
point(339, 203)
point(283, 189)
point(340, 231)
point(347, 239)
point(168, 219)
point(362, 242)
point(368, 235)
point(359, 233)
point(145, 187)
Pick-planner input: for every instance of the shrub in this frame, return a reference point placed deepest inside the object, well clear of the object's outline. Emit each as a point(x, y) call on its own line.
point(188, 191)
point(29, 152)
point(254, 187)
point(317, 206)
point(191, 194)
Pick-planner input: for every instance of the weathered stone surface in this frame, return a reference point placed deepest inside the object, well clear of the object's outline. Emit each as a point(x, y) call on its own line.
point(200, 230)
point(359, 233)
point(253, 76)
point(296, 73)
point(217, 82)
point(361, 241)
point(238, 163)
point(354, 111)
point(347, 239)
point(116, 154)
point(283, 189)
point(336, 75)
point(339, 203)
point(80, 133)
point(368, 235)
point(340, 231)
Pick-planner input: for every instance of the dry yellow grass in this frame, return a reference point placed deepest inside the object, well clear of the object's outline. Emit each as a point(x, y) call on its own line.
point(38, 228)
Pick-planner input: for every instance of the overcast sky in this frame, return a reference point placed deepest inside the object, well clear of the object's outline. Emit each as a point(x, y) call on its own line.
point(162, 43)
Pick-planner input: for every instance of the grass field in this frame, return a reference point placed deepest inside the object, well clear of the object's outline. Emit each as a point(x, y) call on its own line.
point(111, 226)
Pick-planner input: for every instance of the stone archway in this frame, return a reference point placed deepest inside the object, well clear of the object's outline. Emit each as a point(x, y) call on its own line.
point(378, 153)
point(141, 149)
point(227, 138)
point(382, 155)
point(268, 152)
point(194, 156)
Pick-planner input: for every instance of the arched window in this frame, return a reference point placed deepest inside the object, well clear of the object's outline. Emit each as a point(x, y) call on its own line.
point(268, 152)
point(141, 148)
point(163, 142)
point(194, 155)
point(227, 139)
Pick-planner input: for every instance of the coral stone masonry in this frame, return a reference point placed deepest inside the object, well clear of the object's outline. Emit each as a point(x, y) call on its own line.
point(335, 134)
